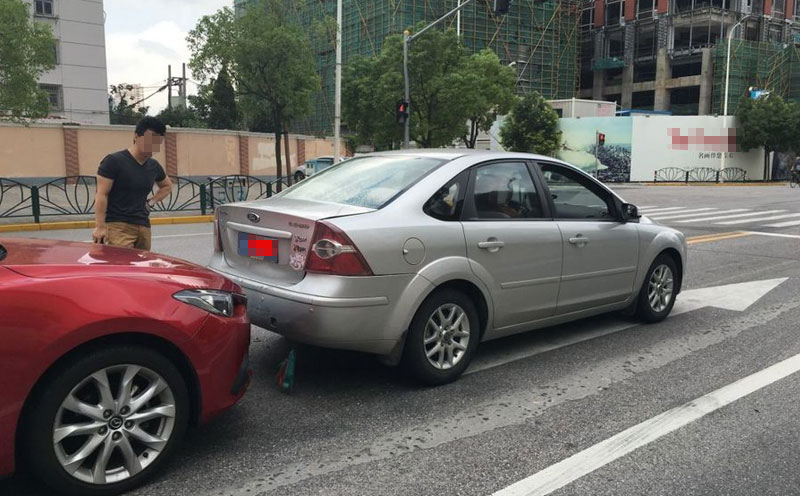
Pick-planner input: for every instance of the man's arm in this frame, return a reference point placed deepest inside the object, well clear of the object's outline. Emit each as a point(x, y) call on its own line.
point(164, 189)
point(104, 185)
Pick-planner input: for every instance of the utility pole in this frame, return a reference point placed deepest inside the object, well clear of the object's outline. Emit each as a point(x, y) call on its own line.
point(169, 87)
point(337, 124)
point(183, 87)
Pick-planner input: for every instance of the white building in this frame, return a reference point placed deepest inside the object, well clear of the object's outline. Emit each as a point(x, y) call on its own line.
point(78, 86)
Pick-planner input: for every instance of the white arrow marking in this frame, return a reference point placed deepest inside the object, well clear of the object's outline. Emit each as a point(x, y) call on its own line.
point(736, 297)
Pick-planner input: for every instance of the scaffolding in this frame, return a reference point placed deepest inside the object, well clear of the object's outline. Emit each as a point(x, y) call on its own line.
point(540, 39)
point(768, 66)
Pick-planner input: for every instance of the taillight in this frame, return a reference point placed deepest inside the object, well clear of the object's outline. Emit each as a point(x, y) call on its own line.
point(332, 252)
point(217, 232)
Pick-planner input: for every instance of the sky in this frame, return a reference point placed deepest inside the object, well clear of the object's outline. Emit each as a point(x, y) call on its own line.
point(144, 36)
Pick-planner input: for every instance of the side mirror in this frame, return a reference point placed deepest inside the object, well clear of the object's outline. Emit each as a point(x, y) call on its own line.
point(630, 212)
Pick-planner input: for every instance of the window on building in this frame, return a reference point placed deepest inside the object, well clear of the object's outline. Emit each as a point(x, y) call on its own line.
point(45, 7)
point(56, 54)
point(778, 8)
point(645, 9)
point(775, 34)
point(587, 16)
point(55, 96)
point(614, 12)
point(797, 10)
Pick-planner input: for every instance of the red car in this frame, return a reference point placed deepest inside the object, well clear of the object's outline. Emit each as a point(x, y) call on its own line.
point(106, 356)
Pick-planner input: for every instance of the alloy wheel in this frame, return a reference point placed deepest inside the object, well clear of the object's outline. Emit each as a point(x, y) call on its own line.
point(660, 288)
point(446, 337)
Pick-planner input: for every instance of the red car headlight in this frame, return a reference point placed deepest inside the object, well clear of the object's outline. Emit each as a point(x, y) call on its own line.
point(211, 300)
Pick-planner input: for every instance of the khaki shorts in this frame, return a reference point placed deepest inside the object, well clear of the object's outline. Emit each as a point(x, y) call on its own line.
point(128, 235)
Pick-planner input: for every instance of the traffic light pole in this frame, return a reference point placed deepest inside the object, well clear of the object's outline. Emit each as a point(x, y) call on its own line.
point(407, 39)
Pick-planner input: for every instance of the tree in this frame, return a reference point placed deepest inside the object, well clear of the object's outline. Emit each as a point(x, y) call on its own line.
point(768, 122)
point(222, 111)
point(124, 112)
point(180, 116)
point(27, 50)
point(270, 61)
point(532, 126)
point(485, 89)
point(448, 88)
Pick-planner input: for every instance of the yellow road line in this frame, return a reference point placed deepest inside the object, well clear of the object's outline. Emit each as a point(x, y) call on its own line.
point(716, 237)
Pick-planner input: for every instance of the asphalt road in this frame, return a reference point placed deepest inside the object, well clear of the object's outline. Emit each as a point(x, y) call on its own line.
point(354, 427)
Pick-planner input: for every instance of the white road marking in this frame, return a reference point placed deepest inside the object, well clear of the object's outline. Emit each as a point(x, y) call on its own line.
point(752, 214)
point(785, 224)
point(181, 235)
point(697, 213)
point(759, 219)
point(776, 235)
point(646, 207)
point(650, 211)
point(601, 454)
point(737, 297)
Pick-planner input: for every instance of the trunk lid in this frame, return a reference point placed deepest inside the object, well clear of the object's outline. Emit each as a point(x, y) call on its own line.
point(288, 223)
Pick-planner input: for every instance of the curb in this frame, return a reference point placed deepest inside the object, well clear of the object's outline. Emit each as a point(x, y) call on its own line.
point(729, 184)
point(88, 224)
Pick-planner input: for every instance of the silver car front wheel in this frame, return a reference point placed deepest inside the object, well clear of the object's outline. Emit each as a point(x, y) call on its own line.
point(660, 287)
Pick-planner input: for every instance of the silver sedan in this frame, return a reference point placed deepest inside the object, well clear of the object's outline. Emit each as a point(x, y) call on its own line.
point(420, 255)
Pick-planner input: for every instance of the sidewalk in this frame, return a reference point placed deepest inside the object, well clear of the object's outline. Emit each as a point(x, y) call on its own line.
point(87, 221)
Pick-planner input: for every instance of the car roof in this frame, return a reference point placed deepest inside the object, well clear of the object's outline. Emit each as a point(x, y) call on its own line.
point(454, 153)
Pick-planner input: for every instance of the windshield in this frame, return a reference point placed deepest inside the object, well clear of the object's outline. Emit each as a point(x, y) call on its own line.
point(369, 182)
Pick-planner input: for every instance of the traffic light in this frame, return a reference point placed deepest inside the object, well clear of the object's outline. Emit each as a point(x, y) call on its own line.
point(601, 139)
point(401, 112)
point(501, 6)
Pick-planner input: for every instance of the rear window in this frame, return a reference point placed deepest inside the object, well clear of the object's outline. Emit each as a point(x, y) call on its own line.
point(369, 182)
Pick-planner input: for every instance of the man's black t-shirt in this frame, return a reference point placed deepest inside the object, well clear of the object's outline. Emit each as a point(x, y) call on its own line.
point(133, 182)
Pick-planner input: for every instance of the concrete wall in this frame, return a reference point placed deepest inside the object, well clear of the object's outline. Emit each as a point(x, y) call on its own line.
point(50, 150)
point(688, 142)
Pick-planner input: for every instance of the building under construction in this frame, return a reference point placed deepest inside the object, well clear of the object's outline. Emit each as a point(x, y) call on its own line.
point(670, 55)
point(539, 39)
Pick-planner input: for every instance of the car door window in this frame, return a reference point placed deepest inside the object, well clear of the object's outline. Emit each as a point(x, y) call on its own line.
point(574, 196)
point(505, 190)
point(447, 202)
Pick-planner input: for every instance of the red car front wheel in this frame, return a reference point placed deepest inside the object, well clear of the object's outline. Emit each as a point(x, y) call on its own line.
point(107, 421)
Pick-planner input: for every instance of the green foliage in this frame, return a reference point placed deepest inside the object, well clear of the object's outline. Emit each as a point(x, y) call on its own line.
point(222, 113)
point(27, 50)
point(532, 126)
point(181, 117)
point(448, 88)
point(767, 122)
point(124, 112)
point(269, 58)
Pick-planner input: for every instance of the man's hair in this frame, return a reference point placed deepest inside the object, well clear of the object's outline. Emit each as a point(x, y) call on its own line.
point(150, 124)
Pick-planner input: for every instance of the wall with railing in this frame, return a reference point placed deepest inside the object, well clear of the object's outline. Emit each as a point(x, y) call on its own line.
point(75, 195)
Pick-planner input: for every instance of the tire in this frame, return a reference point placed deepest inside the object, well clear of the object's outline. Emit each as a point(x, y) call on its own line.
point(444, 366)
point(299, 176)
point(119, 435)
point(657, 295)
point(792, 182)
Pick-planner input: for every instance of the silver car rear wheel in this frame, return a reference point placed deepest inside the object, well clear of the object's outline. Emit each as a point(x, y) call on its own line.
point(660, 288)
point(114, 424)
point(446, 337)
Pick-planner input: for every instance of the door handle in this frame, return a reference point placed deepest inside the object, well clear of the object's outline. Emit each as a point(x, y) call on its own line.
point(492, 246)
point(579, 240)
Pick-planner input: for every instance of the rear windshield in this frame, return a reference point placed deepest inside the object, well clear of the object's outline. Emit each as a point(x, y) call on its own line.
point(369, 182)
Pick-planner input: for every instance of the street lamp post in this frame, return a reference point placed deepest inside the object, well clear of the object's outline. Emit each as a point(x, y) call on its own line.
point(337, 125)
point(727, 84)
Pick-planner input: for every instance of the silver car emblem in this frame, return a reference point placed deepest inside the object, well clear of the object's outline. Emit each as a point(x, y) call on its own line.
point(253, 217)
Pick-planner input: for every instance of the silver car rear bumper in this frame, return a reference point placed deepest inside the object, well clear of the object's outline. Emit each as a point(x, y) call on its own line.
point(370, 324)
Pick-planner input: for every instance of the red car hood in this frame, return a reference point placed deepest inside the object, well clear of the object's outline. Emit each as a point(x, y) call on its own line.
point(54, 259)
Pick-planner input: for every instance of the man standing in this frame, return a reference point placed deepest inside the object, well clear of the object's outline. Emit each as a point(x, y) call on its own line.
point(124, 180)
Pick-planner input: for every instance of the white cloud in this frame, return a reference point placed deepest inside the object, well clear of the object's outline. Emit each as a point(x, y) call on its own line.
point(144, 37)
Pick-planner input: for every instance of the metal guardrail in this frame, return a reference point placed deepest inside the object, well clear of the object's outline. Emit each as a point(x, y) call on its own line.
point(699, 175)
point(74, 195)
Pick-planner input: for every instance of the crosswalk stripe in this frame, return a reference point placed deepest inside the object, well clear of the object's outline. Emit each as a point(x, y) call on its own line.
point(760, 219)
point(680, 215)
point(751, 214)
point(785, 224)
point(649, 211)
